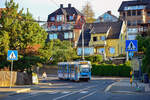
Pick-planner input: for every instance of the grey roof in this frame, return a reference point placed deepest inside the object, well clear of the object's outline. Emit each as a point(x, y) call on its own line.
point(87, 36)
point(102, 27)
point(133, 3)
point(116, 30)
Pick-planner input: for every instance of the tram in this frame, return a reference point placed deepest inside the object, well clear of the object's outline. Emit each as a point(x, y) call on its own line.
point(80, 70)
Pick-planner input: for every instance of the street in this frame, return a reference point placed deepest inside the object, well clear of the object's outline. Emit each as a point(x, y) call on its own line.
point(54, 89)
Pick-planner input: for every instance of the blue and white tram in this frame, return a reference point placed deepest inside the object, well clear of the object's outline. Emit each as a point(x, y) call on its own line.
point(77, 71)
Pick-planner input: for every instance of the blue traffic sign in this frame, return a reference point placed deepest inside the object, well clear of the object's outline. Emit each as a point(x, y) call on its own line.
point(12, 55)
point(131, 45)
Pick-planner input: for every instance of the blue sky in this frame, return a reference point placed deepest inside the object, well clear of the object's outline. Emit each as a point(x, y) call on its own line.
point(44, 7)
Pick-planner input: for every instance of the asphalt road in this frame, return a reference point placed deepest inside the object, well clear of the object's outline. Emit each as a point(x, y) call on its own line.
point(54, 89)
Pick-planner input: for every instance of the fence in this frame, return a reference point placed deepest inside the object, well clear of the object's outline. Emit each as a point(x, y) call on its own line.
point(18, 78)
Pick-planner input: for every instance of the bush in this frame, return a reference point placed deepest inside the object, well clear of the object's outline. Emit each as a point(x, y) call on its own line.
point(94, 58)
point(111, 70)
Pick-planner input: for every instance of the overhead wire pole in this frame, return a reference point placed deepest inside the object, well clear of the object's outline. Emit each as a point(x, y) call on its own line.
point(83, 41)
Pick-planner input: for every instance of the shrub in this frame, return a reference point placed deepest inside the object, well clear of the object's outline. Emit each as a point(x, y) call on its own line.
point(94, 58)
point(111, 70)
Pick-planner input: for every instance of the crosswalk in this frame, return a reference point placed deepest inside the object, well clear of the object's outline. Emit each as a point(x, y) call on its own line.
point(57, 92)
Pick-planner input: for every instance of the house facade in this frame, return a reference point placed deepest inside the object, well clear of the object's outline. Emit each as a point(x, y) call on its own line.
point(105, 38)
point(107, 17)
point(135, 12)
point(65, 24)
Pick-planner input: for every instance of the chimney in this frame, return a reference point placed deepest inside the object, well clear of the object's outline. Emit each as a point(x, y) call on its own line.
point(69, 5)
point(61, 5)
point(109, 12)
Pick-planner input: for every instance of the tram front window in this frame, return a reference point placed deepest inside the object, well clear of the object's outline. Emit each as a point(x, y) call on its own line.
point(84, 68)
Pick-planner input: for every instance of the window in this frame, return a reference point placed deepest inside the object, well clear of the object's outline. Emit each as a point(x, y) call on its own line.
point(52, 18)
point(129, 23)
point(94, 38)
point(101, 50)
point(148, 21)
point(68, 35)
point(53, 27)
point(139, 21)
point(52, 36)
point(134, 7)
point(59, 27)
point(103, 38)
point(132, 30)
point(133, 13)
point(134, 23)
point(70, 17)
point(129, 13)
point(87, 51)
point(131, 37)
point(112, 50)
point(59, 18)
point(138, 13)
point(148, 13)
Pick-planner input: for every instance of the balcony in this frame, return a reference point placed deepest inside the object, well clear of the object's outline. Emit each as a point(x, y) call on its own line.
point(97, 43)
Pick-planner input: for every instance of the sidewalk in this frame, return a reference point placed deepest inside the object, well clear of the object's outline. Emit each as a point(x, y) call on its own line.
point(6, 91)
point(124, 86)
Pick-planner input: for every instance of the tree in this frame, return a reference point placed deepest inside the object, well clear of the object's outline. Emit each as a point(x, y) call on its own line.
point(20, 32)
point(88, 13)
point(144, 46)
point(62, 51)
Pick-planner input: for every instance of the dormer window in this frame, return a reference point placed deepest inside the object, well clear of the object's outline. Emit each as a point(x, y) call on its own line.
point(59, 18)
point(52, 18)
point(70, 17)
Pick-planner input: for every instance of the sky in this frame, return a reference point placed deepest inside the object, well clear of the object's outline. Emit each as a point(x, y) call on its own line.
point(42, 8)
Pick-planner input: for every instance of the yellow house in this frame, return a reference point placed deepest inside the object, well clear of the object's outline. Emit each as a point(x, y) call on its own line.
point(108, 38)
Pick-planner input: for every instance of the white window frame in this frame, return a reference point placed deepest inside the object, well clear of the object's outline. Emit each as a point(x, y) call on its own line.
point(110, 50)
point(59, 18)
point(53, 36)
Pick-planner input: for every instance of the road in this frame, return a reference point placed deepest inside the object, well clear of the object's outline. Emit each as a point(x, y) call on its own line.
point(54, 89)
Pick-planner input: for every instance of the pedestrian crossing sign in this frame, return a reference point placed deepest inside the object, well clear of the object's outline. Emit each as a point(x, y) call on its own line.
point(12, 55)
point(131, 45)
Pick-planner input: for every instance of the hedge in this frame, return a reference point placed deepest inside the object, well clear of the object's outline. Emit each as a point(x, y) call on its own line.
point(121, 70)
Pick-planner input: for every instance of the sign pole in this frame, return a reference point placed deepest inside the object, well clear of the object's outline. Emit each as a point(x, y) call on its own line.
point(11, 73)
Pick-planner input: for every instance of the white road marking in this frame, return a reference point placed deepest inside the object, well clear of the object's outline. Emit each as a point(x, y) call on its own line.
point(87, 95)
point(74, 92)
point(65, 92)
point(84, 92)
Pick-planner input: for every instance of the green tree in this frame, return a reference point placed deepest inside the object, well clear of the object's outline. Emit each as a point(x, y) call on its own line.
point(20, 32)
point(144, 46)
point(88, 13)
point(62, 51)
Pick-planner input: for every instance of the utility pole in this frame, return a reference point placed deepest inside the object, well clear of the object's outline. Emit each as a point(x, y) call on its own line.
point(83, 41)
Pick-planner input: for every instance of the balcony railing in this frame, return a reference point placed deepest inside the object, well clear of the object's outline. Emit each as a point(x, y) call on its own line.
point(97, 43)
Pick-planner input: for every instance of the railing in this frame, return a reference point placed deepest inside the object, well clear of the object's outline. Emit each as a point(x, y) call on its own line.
point(97, 43)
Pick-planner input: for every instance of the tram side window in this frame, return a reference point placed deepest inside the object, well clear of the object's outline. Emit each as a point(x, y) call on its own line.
point(60, 68)
point(72, 68)
point(65, 68)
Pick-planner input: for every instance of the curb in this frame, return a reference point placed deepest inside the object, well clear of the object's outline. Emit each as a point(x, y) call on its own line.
point(128, 92)
point(15, 92)
point(23, 90)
